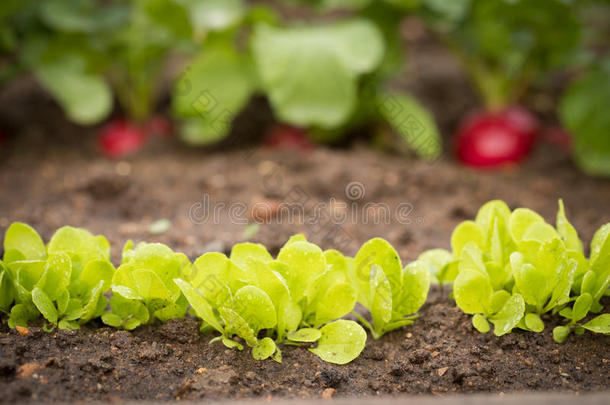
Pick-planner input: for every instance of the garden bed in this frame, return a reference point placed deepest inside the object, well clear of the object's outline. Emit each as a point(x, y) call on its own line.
point(208, 199)
point(440, 354)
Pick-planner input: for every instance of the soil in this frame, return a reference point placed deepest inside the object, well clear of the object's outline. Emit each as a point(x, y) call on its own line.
point(440, 354)
point(339, 198)
point(52, 175)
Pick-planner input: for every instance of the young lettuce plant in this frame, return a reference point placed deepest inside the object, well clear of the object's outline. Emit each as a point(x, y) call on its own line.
point(251, 292)
point(513, 267)
point(478, 291)
point(393, 295)
point(592, 286)
point(574, 315)
point(442, 266)
point(561, 249)
point(236, 302)
point(64, 282)
point(7, 294)
point(541, 268)
point(319, 284)
point(143, 286)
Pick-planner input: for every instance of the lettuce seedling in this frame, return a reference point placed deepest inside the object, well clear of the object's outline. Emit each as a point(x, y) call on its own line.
point(64, 282)
point(393, 295)
point(317, 281)
point(146, 277)
point(250, 292)
point(475, 294)
point(330, 295)
point(592, 284)
point(574, 315)
point(513, 267)
point(441, 264)
point(239, 300)
point(7, 294)
point(596, 280)
point(340, 342)
point(542, 271)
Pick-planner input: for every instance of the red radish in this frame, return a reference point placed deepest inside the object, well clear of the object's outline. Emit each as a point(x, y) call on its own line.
point(491, 139)
point(285, 136)
point(120, 138)
point(158, 125)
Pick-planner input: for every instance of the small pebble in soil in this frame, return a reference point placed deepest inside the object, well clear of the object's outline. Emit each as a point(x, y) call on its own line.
point(28, 369)
point(328, 393)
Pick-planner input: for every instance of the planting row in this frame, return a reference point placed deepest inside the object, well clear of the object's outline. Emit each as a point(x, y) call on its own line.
point(511, 269)
point(210, 57)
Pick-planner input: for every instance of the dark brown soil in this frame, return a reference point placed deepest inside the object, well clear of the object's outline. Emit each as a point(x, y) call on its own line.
point(51, 187)
point(439, 354)
point(52, 176)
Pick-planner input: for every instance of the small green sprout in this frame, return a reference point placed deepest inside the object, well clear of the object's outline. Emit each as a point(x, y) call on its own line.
point(392, 294)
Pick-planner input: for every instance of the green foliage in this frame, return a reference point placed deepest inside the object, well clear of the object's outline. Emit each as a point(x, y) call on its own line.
point(213, 15)
point(513, 267)
point(583, 114)
point(146, 276)
point(83, 51)
point(214, 89)
point(340, 342)
point(412, 122)
point(68, 79)
point(127, 50)
point(510, 269)
point(316, 86)
point(60, 43)
point(64, 281)
point(333, 83)
point(504, 56)
point(392, 294)
point(292, 297)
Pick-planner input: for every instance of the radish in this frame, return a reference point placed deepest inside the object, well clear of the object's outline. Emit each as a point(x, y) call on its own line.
point(285, 136)
point(121, 138)
point(492, 139)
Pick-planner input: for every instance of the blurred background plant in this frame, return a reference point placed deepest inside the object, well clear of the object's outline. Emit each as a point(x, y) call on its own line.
point(327, 71)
